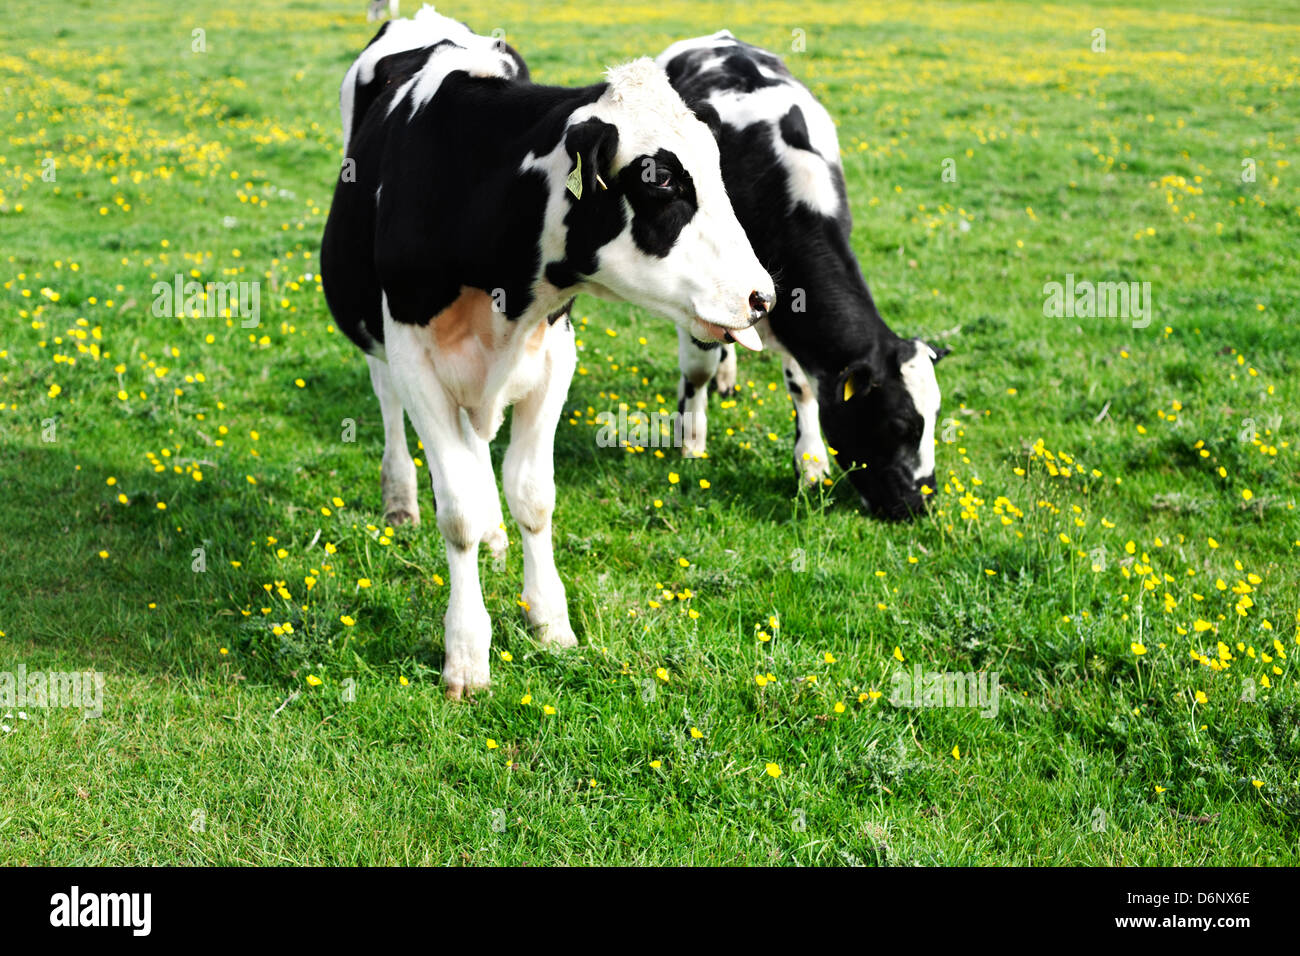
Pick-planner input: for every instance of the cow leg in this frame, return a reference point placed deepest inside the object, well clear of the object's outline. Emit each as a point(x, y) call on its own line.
point(462, 499)
point(495, 535)
point(725, 378)
point(699, 363)
point(529, 477)
point(811, 459)
point(397, 473)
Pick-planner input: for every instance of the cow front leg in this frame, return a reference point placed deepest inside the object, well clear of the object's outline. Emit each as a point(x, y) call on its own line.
point(462, 500)
point(529, 477)
point(698, 363)
point(811, 460)
point(397, 471)
point(727, 375)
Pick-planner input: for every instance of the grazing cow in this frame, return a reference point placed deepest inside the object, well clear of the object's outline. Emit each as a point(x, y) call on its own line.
point(472, 206)
point(875, 393)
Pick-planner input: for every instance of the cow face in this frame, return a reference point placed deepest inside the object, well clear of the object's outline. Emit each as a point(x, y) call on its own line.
point(646, 216)
point(881, 423)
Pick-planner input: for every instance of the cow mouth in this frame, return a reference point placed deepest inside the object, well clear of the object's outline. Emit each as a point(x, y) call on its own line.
point(711, 332)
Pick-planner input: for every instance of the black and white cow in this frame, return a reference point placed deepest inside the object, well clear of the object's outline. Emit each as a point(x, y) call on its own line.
point(472, 206)
point(876, 393)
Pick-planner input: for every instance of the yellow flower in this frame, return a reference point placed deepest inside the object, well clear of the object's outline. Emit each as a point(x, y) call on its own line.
point(683, 562)
point(662, 674)
point(696, 733)
point(673, 477)
point(347, 620)
point(403, 681)
point(1138, 649)
point(898, 654)
point(491, 744)
point(839, 707)
point(704, 483)
point(363, 582)
point(548, 710)
point(656, 764)
point(313, 680)
point(773, 770)
point(526, 700)
point(828, 657)
point(1201, 698)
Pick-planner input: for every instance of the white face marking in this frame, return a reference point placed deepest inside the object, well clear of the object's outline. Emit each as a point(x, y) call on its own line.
point(811, 180)
point(711, 269)
point(923, 386)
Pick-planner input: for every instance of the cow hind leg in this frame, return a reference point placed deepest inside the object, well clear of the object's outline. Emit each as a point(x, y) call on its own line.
point(529, 477)
point(724, 380)
point(397, 472)
point(811, 460)
point(699, 363)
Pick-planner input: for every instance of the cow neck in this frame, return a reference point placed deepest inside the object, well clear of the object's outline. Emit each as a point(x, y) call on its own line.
point(840, 324)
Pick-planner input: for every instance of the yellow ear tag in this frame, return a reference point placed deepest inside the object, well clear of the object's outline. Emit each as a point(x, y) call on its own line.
point(574, 182)
point(848, 388)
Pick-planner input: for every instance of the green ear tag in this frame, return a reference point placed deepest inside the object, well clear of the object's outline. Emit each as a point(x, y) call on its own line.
point(574, 182)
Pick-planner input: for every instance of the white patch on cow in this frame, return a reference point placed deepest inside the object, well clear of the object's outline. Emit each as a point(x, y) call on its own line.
point(476, 55)
point(923, 386)
point(811, 181)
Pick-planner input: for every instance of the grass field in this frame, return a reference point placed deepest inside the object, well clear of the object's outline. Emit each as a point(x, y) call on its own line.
point(1115, 534)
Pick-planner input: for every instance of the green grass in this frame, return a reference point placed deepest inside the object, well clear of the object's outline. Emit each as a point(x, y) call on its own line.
point(372, 765)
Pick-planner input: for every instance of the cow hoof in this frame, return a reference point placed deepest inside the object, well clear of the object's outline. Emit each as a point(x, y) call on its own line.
point(457, 690)
point(400, 516)
point(556, 633)
point(461, 685)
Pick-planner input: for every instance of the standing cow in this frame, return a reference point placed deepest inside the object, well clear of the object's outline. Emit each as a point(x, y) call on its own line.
point(472, 206)
point(875, 393)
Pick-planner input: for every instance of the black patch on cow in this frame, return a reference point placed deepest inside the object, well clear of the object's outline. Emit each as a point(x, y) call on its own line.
point(390, 71)
point(839, 330)
point(454, 210)
point(597, 218)
point(662, 196)
point(794, 130)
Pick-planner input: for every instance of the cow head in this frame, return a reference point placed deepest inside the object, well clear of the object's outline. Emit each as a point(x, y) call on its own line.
point(645, 215)
point(881, 422)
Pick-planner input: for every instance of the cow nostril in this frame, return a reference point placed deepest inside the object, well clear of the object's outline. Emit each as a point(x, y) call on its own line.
point(761, 304)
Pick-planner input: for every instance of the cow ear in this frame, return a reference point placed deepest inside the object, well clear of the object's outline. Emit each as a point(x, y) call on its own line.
point(858, 379)
point(939, 352)
point(707, 115)
point(591, 146)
